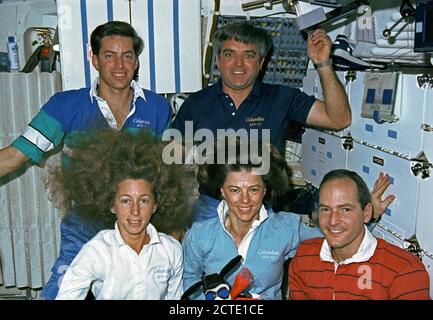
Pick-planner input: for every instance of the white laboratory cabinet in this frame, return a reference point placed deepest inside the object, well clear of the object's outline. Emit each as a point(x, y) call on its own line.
point(171, 59)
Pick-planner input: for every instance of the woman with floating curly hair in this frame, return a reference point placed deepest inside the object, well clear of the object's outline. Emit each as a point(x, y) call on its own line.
point(127, 179)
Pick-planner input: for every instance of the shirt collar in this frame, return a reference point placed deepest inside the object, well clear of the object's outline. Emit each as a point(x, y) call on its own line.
point(364, 253)
point(151, 231)
point(138, 91)
point(223, 211)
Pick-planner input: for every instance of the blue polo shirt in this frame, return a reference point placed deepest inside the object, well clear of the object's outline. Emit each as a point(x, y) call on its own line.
point(267, 107)
point(73, 112)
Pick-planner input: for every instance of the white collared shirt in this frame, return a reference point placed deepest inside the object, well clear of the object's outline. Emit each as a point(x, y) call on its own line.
point(105, 109)
point(114, 270)
point(223, 210)
point(364, 253)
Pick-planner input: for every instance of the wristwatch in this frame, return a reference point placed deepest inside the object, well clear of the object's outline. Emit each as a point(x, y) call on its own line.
point(323, 64)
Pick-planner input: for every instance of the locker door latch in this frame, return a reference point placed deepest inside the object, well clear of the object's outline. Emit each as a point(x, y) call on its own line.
point(425, 80)
point(347, 142)
point(414, 246)
point(426, 127)
point(421, 165)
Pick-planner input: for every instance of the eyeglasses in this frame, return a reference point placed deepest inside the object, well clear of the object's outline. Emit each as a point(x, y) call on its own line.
point(222, 293)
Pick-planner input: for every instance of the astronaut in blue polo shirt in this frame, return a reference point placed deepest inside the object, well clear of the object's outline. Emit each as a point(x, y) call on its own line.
point(240, 101)
point(115, 100)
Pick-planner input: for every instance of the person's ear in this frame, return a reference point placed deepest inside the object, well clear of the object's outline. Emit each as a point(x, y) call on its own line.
point(222, 193)
point(155, 207)
point(113, 211)
point(95, 61)
point(217, 60)
point(368, 212)
point(261, 63)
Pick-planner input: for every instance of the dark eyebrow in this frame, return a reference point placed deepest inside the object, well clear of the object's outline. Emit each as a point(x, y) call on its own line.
point(232, 186)
point(113, 52)
point(235, 186)
point(347, 205)
point(141, 195)
point(340, 205)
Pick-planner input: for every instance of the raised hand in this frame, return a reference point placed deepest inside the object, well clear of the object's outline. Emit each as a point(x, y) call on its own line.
point(379, 205)
point(319, 46)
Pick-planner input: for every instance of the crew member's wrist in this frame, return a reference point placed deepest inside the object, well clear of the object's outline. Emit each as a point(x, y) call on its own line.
point(322, 64)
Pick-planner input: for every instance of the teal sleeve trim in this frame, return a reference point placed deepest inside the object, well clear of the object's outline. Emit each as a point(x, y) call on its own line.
point(48, 126)
point(29, 149)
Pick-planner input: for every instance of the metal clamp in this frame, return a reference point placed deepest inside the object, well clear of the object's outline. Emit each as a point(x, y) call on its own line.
point(421, 166)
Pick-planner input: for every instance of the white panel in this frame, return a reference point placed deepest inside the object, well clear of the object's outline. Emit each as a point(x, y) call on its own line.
point(381, 233)
point(164, 45)
point(190, 48)
point(312, 86)
point(424, 228)
point(121, 12)
point(401, 215)
point(321, 153)
point(6, 254)
point(173, 69)
point(139, 18)
point(71, 44)
point(403, 136)
point(29, 224)
point(98, 10)
point(424, 225)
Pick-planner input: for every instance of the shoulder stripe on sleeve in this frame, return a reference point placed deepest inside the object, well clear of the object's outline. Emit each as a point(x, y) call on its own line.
point(408, 273)
point(38, 139)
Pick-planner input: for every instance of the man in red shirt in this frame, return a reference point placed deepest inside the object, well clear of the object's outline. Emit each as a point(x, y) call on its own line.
point(350, 263)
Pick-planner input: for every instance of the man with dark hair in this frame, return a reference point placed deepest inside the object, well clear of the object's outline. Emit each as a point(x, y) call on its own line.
point(350, 263)
point(241, 50)
point(114, 100)
point(240, 101)
point(117, 28)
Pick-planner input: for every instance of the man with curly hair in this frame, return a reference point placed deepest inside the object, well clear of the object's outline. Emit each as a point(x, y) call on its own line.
point(126, 179)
